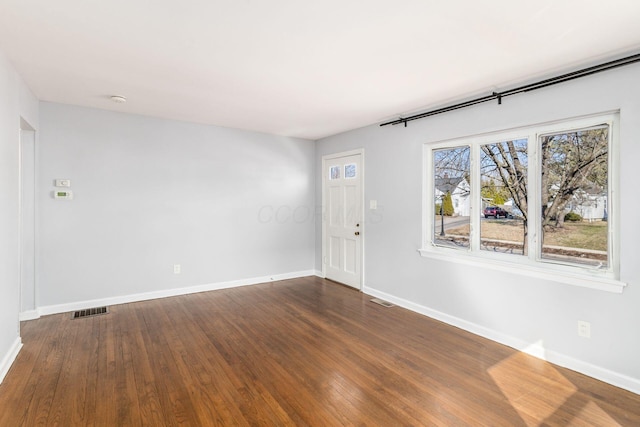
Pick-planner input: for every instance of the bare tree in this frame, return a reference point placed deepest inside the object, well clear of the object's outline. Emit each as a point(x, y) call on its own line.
point(571, 162)
point(452, 163)
point(507, 161)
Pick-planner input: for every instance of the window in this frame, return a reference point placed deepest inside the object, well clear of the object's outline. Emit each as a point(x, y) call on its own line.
point(503, 181)
point(451, 181)
point(574, 178)
point(538, 197)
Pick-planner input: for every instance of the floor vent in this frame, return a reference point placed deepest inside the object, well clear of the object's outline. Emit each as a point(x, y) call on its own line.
point(381, 302)
point(89, 312)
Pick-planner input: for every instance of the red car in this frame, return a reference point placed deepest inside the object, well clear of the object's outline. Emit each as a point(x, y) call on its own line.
point(495, 212)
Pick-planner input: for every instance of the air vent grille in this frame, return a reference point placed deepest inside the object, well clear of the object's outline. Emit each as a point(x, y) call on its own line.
point(381, 302)
point(96, 311)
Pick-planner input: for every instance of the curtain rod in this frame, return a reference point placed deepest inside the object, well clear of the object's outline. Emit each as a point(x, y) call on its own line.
point(526, 88)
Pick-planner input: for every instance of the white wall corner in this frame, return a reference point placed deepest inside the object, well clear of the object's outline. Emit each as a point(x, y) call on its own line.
point(534, 349)
point(9, 358)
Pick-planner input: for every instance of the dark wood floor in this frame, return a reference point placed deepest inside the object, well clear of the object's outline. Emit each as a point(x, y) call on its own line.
point(296, 352)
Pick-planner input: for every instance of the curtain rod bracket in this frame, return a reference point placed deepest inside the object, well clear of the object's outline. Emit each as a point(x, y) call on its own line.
point(499, 97)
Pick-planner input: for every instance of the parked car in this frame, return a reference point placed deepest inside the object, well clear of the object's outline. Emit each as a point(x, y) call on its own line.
point(495, 212)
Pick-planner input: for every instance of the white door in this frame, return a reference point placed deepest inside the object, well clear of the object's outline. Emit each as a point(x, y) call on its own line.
point(342, 220)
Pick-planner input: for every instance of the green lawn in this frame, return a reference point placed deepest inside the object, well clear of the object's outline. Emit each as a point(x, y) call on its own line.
point(581, 235)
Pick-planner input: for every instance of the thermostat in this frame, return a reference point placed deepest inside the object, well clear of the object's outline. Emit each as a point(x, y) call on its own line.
point(63, 194)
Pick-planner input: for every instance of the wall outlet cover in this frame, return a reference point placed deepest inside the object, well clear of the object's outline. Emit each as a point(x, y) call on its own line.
point(584, 329)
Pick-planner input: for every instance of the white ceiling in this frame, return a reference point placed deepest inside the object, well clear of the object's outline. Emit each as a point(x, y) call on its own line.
point(301, 68)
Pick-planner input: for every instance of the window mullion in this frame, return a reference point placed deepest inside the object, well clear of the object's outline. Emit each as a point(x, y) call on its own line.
point(533, 199)
point(612, 197)
point(428, 197)
point(476, 197)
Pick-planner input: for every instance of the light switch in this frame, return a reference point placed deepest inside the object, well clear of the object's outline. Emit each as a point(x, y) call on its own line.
point(373, 204)
point(63, 183)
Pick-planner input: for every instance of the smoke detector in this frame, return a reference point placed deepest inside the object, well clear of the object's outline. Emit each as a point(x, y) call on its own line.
point(118, 99)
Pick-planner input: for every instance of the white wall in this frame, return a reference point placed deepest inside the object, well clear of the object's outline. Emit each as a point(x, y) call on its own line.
point(515, 309)
point(150, 193)
point(15, 101)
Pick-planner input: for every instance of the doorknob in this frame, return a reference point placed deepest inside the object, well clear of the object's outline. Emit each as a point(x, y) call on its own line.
point(357, 233)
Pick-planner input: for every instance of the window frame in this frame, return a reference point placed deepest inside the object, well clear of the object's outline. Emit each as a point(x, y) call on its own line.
point(532, 264)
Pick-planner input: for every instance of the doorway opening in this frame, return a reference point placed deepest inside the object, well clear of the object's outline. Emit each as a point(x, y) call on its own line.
point(343, 217)
point(28, 308)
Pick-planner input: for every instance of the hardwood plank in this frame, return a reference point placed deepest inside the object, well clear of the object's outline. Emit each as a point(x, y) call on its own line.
point(24, 385)
point(296, 352)
point(52, 364)
point(73, 376)
point(105, 380)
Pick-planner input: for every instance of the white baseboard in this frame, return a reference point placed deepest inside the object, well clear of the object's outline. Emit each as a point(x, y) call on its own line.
point(29, 315)
point(318, 273)
point(11, 355)
point(535, 349)
point(79, 305)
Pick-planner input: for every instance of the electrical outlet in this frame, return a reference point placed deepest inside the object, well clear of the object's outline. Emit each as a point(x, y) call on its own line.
point(176, 268)
point(584, 329)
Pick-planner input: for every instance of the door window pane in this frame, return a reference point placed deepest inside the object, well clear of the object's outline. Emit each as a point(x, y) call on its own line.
point(574, 196)
point(503, 182)
point(334, 172)
point(350, 171)
point(452, 199)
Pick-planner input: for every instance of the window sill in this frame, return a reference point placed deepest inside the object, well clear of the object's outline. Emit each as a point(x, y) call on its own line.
point(585, 280)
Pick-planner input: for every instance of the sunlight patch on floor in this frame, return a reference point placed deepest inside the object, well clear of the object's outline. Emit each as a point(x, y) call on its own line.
point(538, 392)
point(592, 415)
point(535, 389)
